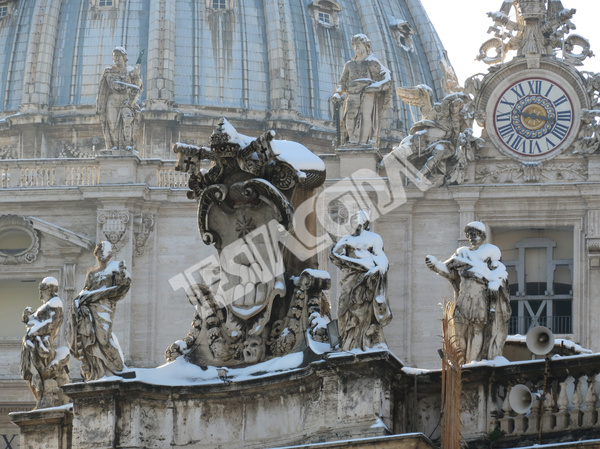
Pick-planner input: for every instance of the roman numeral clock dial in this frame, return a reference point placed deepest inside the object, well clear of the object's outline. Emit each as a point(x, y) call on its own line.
point(534, 118)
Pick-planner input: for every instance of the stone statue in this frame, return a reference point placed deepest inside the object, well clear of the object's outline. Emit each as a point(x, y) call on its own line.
point(120, 88)
point(363, 307)
point(257, 310)
point(367, 85)
point(43, 368)
point(442, 143)
point(482, 304)
point(89, 333)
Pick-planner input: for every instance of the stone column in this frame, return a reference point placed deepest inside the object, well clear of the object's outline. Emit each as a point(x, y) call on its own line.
point(466, 203)
point(588, 310)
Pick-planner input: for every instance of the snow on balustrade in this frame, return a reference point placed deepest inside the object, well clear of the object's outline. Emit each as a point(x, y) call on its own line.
point(567, 400)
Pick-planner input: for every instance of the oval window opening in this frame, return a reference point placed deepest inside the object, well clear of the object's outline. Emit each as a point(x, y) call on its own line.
point(14, 242)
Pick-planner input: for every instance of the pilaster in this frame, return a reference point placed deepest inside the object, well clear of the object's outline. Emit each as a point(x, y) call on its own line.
point(38, 68)
point(282, 60)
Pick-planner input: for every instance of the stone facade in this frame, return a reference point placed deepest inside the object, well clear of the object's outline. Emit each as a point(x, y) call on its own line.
point(68, 196)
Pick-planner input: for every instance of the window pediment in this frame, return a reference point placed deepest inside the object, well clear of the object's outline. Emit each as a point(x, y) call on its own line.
point(325, 12)
point(403, 33)
point(104, 4)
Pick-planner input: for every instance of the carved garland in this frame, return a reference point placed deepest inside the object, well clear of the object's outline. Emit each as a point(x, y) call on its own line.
point(515, 173)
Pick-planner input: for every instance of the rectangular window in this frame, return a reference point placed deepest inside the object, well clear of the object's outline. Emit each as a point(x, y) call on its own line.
point(219, 4)
point(540, 277)
point(105, 3)
point(3, 11)
point(325, 18)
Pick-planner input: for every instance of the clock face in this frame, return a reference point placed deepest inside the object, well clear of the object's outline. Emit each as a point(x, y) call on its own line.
point(534, 118)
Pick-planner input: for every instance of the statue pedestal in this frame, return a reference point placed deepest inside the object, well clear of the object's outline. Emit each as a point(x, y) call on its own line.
point(48, 428)
point(342, 396)
point(356, 157)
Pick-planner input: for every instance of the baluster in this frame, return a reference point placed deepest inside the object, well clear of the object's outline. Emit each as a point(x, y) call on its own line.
point(576, 411)
point(533, 419)
point(562, 417)
point(507, 423)
point(549, 420)
point(590, 414)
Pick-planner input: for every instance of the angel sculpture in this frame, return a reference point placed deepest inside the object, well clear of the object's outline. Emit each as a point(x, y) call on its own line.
point(442, 143)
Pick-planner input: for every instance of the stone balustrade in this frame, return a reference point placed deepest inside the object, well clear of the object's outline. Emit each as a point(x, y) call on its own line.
point(564, 398)
point(36, 173)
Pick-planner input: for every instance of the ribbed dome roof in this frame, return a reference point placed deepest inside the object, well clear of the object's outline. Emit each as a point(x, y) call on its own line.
point(256, 57)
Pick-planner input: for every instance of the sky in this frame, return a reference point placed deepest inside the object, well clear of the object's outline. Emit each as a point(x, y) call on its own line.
point(462, 28)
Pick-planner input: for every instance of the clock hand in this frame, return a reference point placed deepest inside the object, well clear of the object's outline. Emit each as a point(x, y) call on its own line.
point(535, 116)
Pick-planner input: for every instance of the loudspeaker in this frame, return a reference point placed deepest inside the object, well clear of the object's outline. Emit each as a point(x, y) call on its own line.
point(540, 340)
point(520, 398)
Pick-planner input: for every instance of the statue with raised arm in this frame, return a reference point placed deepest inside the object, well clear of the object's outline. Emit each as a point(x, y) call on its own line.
point(367, 85)
point(363, 307)
point(482, 303)
point(44, 368)
point(90, 335)
point(119, 90)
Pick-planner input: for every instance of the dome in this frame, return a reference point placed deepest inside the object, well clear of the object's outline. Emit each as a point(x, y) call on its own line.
point(252, 61)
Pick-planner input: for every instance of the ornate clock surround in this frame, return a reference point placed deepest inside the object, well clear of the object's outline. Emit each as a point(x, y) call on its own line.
point(496, 83)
